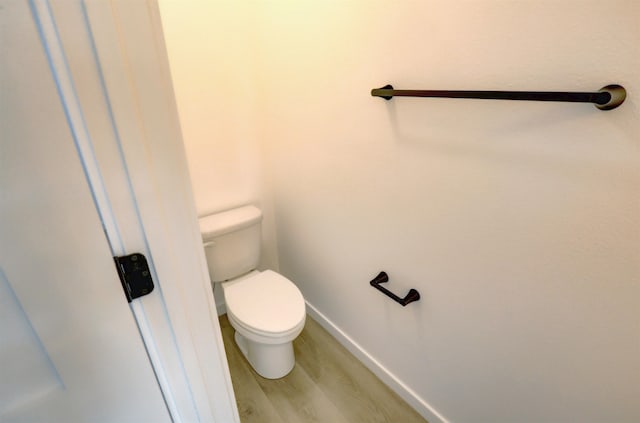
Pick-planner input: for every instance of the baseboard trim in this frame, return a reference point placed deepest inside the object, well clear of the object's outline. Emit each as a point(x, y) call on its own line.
point(221, 308)
point(406, 393)
point(221, 305)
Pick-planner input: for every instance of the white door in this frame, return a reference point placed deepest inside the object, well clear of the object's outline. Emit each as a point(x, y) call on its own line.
point(70, 350)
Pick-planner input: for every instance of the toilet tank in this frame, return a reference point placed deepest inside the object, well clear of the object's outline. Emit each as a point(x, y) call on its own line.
point(232, 242)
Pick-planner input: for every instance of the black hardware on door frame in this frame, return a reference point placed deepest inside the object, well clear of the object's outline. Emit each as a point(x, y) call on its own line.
point(607, 98)
point(382, 277)
point(134, 275)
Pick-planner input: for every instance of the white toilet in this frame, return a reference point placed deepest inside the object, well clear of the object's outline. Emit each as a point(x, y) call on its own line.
point(266, 309)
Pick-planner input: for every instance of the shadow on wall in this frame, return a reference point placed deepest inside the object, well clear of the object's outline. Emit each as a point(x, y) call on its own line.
point(518, 135)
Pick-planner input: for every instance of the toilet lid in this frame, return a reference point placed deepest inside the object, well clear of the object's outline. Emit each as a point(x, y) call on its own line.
point(266, 302)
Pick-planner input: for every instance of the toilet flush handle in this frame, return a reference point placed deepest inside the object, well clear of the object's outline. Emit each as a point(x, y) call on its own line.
point(208, 243)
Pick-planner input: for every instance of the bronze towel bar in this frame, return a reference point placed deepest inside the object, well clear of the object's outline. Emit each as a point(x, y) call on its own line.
point(607, 98)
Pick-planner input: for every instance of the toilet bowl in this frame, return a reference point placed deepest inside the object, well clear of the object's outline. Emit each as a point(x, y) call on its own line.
point(266, 310)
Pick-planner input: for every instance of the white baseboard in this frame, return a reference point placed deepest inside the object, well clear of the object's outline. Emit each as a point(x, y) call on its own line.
point(218, 296)
point(421, 406)
point(221, 307)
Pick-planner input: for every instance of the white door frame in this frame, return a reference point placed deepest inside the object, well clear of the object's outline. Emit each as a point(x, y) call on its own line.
point(141, 186)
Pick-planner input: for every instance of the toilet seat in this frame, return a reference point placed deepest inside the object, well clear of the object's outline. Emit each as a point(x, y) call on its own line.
point(266, 304)
point(263, 338)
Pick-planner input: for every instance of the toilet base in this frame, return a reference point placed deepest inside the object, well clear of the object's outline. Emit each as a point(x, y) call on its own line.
point(271, 361)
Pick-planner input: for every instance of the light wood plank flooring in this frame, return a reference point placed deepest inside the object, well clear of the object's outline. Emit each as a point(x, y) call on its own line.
point(327, 384)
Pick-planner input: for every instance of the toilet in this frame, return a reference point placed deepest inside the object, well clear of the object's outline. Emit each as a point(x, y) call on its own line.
point(266, 309)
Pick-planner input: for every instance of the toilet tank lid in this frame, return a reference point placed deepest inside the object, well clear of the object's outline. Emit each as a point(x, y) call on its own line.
point(228, 221)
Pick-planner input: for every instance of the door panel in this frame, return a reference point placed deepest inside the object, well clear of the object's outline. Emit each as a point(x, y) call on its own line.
point(69, 346)
point(32, 375)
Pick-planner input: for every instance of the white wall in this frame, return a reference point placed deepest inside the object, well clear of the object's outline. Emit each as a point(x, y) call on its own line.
point(517, 222)
point(212, 64)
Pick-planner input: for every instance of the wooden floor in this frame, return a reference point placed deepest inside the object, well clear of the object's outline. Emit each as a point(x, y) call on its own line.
point(327, 384)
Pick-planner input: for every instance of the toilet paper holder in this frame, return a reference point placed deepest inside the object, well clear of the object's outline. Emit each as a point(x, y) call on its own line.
point(412, 295)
